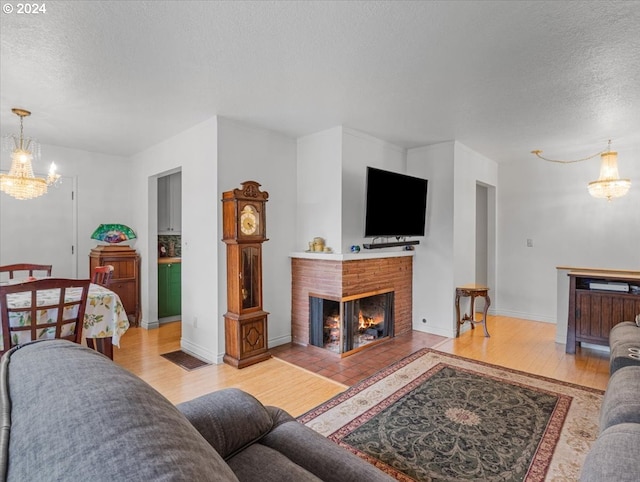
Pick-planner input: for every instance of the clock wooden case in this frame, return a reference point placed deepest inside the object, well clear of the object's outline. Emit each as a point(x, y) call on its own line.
point(244, 231)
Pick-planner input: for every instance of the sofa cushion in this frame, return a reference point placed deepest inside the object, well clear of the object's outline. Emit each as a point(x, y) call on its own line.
point(75, 415)
point(624, 332)
point(614, 455)
point(258, 463)
point(621, 402)
point(228, 419)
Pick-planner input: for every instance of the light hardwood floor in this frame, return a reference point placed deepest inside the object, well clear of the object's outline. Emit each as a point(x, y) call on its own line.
point(530, 346)
point(273, 382)
point(519, 344)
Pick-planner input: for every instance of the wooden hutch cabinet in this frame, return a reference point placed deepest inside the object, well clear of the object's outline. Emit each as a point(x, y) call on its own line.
point(126, 276)
point(597, 302)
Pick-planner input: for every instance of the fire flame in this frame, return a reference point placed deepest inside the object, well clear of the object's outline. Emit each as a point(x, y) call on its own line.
point(365, 322)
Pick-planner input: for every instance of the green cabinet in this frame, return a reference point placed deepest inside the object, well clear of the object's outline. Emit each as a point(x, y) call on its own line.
point(169, 289)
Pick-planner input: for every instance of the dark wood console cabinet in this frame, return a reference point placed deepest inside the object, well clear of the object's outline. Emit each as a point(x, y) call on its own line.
point(126, 276)
point(593, 312)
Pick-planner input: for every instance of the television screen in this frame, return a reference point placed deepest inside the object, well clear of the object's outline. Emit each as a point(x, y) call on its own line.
point(396, 204)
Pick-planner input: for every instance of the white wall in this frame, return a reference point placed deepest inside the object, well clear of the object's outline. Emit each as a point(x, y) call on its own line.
point(469, 169)
point(103, 193)
point(447, 256)
point(319, 189)
point(360, 150)
point(331, 184)
point(482, 234)
point(250, 153)
point(433, 281)
point(549, 204)
point(194, 151)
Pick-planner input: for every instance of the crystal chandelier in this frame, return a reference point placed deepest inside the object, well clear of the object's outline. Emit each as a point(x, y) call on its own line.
point(20, 182)
point(609, 185)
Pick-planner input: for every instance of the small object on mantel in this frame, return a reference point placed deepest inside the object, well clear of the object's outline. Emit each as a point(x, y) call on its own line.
point(355, 248)
point(318, 244)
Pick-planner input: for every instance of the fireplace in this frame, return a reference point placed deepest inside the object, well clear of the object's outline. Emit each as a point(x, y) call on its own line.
point(347, 325)
point(343, 277)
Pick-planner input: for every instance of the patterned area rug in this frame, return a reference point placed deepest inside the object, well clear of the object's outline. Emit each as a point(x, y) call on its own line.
point(184, 360)
point(434, 416)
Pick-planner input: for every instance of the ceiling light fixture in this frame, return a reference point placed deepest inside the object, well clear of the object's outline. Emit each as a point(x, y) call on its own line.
point(20, 182)
point(609, 185)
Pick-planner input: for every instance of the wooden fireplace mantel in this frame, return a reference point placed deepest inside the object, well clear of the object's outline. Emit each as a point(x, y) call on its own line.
point(349, 256)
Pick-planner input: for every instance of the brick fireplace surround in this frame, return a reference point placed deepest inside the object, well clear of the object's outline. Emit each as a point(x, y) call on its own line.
point(338, 278)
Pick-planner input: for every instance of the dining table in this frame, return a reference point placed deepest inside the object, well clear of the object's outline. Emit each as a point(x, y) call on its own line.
point(105, 320)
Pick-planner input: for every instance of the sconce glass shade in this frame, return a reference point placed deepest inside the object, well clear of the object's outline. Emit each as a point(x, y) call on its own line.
point(609, 185)
point(113, 233)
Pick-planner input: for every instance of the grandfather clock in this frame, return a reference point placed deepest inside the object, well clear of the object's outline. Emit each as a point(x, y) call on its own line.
point(244, 230)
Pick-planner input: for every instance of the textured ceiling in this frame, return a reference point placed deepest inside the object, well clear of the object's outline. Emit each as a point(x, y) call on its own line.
point(501, 77)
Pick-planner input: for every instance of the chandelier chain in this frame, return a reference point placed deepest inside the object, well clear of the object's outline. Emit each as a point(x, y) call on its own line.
point(537, 152)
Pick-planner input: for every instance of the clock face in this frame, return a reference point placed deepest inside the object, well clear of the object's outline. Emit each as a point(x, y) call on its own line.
point(249, 220)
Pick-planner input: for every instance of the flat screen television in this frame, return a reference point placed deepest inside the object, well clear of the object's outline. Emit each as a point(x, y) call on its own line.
point(396, 204)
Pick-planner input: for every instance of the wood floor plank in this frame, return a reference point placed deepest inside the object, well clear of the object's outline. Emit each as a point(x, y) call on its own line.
point(530, 346)
point(273, 382)
point(514, 343)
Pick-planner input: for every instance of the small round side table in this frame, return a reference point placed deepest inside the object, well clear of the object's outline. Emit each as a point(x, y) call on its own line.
point(473, 291)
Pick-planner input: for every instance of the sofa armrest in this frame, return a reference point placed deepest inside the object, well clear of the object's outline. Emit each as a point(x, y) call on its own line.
point(310, 450)
point(278, 416)
point(614, 455)
point(621, 403)
point(228, 419)
point(75, 416)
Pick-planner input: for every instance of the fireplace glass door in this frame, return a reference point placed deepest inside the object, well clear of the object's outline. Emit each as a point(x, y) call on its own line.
point(346, 326)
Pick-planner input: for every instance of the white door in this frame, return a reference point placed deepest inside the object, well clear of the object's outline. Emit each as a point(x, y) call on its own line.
point(41, 230)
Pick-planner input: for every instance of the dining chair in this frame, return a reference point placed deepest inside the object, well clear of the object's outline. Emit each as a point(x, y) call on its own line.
point(102, 275)
point(42, 309)
point(30, 268)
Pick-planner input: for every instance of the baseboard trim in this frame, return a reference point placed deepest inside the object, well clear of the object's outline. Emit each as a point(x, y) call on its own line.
point(199, 351)
point(526, 316)
point(281, 340)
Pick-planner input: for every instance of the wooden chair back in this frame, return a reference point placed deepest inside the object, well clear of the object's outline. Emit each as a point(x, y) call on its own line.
point(30, 268)
point(102, 275)
point(42, 309)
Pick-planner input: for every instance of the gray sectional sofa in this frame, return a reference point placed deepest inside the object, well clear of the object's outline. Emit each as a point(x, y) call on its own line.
point(615, 455)
point(69, 413)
